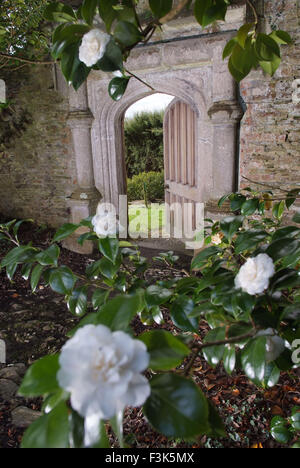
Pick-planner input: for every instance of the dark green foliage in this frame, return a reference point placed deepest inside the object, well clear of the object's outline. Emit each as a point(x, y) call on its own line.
point(22, 29)
point(144, 143)
point(147, 185)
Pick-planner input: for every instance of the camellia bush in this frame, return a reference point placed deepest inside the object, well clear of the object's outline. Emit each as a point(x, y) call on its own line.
point(244, 283)
point(81, 42)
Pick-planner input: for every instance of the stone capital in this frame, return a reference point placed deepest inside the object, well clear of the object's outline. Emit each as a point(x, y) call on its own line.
point(84, 196)
point(225, 112)
point(80, 119)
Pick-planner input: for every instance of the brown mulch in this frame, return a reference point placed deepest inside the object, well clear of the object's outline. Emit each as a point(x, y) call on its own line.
point(34, 325)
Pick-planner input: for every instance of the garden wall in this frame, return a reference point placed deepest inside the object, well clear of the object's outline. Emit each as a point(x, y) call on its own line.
point(37, 162)
point(37, 171)
point(270, 135)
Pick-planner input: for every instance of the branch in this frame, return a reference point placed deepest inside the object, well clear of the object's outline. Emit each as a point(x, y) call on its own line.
point(273, 187)
point(173, 13)
point(254, 11)
point(200, 347)
point(233, 340)
point(139, 79)
point(19, 59)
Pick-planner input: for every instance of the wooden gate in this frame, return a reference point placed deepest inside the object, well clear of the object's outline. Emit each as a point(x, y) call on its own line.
point(182, 193)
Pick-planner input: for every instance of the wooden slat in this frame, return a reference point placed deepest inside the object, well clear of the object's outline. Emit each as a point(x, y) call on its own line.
point(166, 148)
point(183, 145)
point(180, 165)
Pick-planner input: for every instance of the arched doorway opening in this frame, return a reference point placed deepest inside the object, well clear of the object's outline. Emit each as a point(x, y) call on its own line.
point(201, 81)
point(144, 160)
point(166, 206)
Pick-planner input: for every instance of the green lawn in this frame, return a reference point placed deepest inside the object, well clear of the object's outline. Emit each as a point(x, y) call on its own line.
point(143, 219)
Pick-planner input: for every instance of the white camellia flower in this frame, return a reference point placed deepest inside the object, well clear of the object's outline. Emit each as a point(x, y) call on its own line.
point(217, 239)
point(275, 345)
point(102, 371)
point(105, 221)
point(254, 276)
point(93, 47)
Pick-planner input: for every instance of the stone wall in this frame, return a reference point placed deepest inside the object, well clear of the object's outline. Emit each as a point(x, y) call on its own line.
point(270, 135)
point(37, 171)
point(37, 157)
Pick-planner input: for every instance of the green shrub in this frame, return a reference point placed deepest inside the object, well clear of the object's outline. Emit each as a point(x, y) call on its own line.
point(144, 149)
point(151, 182)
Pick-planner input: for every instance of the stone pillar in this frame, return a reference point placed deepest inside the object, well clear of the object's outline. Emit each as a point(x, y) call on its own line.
point(84, 200)
point(225, 117)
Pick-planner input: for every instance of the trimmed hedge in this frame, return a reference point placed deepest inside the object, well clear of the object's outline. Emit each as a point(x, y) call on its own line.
point(144, 149)
point(151, 182)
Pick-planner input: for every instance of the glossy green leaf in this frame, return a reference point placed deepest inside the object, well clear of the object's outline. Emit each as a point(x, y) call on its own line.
point(278, 209)
point(166, 351)
point(36, 276)
point(230, 225)
point(177, 407)
point(62, 280)
point(108, 269)
point(160, 7)
point(250, 206)
point(208, 11)
point(49, 256)
point(156, 295)
point(266, 48)
point(295, 419)
point(77, 302)
point(204, 255)
point(40, 378)
point(99, 298)
point(282, 248)
point(214, 354)
point(281, 434)
point(249, 240)
point(109, 247)
point(254, 359)
point(49, 431)
point(58, 12)
point(112, 59)
point(117, 87)
point(180, 312)
point(217, 427)
point(243, 33)
point(229, 358)
point(118, 313)
point(127, 34)
point(18, 255)
point(107, 12)
point(272, 375)
point(64, 231)
point(281, 37)
point(88, 10)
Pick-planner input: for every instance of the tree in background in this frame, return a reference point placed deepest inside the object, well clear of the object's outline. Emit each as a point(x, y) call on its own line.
point(144, 151)
point(22, 32)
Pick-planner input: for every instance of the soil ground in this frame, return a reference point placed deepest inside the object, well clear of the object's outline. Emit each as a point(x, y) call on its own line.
point(34, 325)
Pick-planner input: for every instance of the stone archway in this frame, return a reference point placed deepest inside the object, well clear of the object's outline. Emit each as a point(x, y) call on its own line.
point(200, 79)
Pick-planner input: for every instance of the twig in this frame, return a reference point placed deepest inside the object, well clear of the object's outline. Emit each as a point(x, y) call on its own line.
point(20, 59)
point(265, 185)
point(139, 79)
point(254, 11)
point(174, 12)
point(200, 347)
point(233, 340)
